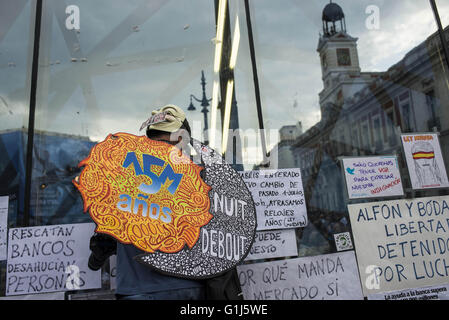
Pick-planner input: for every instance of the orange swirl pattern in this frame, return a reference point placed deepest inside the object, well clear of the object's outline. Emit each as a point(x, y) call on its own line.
point(104, 182)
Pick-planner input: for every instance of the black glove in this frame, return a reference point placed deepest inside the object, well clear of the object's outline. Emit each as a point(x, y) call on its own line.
point(102, 247)
point(224, 287)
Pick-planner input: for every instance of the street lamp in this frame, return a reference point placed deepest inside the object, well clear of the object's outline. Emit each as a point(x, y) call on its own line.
point(204, 103)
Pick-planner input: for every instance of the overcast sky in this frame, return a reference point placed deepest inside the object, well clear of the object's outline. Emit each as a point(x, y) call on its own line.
point(135, 55)
point(294, 29)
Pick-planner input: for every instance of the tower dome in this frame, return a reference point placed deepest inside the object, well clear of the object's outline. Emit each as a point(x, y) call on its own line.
point(333, 13)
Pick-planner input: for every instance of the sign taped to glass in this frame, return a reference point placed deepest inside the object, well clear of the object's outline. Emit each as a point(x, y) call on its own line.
point(424, 161)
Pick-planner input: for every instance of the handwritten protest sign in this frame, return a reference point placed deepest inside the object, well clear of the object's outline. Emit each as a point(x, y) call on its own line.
point(50, 258)
point(279, 198)
point(273, 244)
point(227, 238)
point(325, 277)
point(132, 188)
point(191, 219)
point(372, 177)
point(426, 293)
point(401, 244)
point(4, 202)
point(424, 161)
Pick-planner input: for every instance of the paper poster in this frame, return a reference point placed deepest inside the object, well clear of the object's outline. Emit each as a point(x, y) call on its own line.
point(401, 244)
point(4, 203)
point(424, 161)
point(324, 277)
point(273, 244)
point(343, 241)
point(279, 198)
point(132, 188)
point(372, 177)
point(427, 293)
point(49, 259)
point(192, 220)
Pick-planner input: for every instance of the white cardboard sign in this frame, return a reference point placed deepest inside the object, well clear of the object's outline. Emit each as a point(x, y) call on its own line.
point(372, 177)
point(324, 277)
point(279, 198)
point(426, 293)
point(424, 161)
point(273, 244)
point(401, 244)
point(49, 259)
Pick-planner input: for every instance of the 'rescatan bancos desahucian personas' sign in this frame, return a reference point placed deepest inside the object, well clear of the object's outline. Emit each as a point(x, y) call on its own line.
point(191, 220)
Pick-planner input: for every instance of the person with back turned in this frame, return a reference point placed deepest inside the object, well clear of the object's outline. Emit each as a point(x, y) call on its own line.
point(138, 282)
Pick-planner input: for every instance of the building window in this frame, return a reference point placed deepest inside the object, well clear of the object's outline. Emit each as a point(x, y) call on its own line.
point(355, 136)
point(324, 61)
point(389, 123)
point(377, 133)
point(406, 117)
point(343, 57)
point(365, 136)
point(434, 119)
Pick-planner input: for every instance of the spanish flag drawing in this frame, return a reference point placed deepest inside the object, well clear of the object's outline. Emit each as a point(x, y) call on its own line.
point(423, 155)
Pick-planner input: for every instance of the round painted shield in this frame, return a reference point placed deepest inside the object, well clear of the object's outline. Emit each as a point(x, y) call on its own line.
point(193, 219)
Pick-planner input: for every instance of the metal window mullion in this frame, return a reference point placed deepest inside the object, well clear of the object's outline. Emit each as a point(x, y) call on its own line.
point(32, 111)
point(440, 30)
point(256, 82)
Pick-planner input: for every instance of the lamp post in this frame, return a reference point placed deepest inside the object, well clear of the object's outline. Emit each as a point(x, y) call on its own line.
point(204, 103)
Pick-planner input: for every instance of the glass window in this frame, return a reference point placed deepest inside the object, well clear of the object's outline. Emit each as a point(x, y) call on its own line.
point(377, 132)
point(406, 117)
point(16, 57)
point(17, 20)
point(124, 61)
point(433, 110)
point(323, 87)
point(376, 82)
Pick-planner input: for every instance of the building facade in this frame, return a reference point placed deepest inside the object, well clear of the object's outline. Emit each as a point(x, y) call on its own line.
point(364, 114)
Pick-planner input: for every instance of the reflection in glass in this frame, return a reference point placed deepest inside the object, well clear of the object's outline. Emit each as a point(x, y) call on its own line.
point(361, 112)
point(329, 85)
point(16, 23)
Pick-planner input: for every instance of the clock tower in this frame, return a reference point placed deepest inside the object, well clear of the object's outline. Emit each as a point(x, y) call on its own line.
point(337, 49)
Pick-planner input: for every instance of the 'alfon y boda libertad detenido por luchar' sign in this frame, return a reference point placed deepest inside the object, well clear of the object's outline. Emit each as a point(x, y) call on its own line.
point(191, 220)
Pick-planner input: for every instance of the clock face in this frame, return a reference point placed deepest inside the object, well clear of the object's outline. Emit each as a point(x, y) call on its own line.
point(343, 57)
